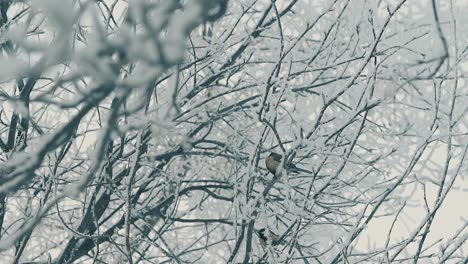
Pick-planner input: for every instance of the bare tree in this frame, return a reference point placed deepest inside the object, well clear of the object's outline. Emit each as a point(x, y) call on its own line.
point(136, 131)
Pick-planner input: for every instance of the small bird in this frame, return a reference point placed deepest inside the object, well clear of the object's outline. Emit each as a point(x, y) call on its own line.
point(274, 160)
point(264, 239)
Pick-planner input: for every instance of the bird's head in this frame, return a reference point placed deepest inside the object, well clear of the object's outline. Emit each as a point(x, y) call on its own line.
point(275, 156)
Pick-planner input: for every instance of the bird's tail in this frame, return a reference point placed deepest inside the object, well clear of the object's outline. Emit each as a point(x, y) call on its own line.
point(301, 170)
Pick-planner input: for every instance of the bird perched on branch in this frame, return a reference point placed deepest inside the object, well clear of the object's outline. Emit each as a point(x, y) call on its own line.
point(262, 235)
point(274, 160)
